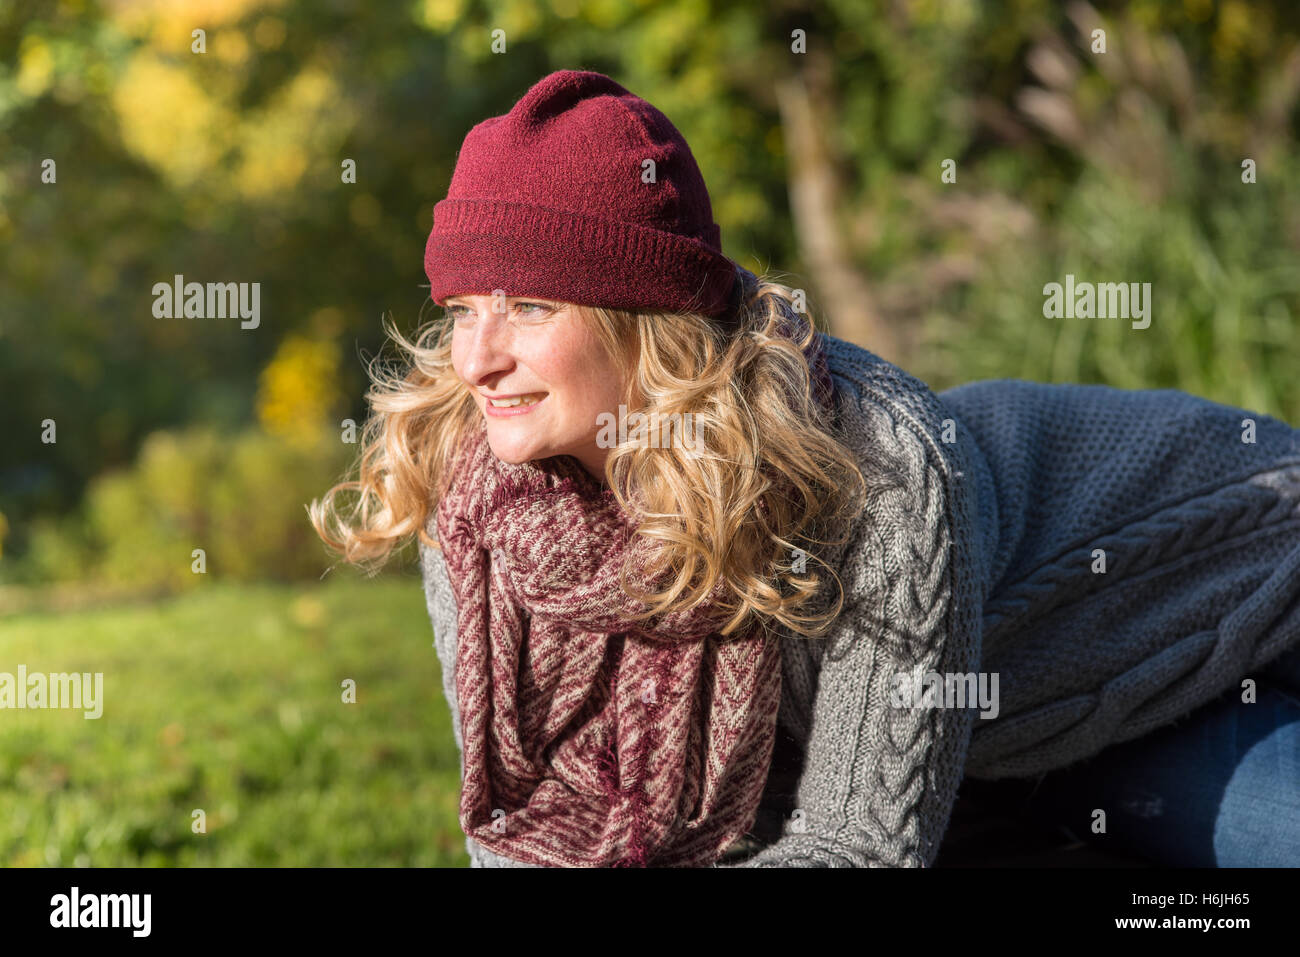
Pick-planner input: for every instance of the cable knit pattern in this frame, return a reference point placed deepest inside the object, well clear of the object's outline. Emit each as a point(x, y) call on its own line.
point(880, 781)
point(1199, 532)
point(993, 506)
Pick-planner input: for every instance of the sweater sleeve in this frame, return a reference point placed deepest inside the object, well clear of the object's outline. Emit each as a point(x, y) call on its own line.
point(880, 778)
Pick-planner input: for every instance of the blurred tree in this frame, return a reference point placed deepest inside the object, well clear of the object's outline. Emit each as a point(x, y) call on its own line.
point(823, 160)
point(299, 390)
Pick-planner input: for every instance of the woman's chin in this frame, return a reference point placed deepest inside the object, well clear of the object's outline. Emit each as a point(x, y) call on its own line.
point(516, 453)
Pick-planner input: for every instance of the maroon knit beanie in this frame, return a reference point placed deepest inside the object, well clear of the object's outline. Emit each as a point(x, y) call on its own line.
point(555, 200)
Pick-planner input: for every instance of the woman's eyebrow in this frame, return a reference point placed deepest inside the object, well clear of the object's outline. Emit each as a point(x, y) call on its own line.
point(457, 300)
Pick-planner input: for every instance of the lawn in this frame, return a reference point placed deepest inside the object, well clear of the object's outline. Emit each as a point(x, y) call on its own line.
point(229, 700)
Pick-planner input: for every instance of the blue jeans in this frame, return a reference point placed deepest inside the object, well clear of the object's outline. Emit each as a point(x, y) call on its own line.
point(1218, 788)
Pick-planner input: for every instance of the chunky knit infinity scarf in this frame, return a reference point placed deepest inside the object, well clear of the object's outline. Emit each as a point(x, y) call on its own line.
point(589, 740)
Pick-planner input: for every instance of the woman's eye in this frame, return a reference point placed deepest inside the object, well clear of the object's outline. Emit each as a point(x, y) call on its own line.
point(456, 313)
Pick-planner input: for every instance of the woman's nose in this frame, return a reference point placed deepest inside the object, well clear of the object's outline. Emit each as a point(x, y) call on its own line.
point(488, 349)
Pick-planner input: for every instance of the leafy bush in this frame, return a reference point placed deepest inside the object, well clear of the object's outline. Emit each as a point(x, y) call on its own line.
point(240, 497)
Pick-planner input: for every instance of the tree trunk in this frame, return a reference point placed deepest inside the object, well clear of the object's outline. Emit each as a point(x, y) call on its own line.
point(816, 197)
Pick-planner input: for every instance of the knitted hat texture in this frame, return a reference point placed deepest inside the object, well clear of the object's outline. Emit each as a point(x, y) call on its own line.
point(582, 193)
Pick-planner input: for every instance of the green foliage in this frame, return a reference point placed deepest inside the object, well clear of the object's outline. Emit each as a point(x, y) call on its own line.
point(1224, 295)
point(226, 166)
point(240, 497)
point(1155, 194)
point(229, 700)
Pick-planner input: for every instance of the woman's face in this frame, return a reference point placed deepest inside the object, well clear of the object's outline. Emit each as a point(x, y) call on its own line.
point(539, 350)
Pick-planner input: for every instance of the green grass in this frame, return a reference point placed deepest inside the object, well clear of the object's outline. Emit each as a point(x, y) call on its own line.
point(229, 700)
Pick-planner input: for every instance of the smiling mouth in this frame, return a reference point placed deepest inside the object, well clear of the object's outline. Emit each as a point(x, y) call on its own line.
point(532, 399)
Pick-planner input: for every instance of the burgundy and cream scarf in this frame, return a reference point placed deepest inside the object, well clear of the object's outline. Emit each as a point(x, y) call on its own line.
point(590, 741)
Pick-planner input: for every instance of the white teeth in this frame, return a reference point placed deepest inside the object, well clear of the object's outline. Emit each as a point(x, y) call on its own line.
point(517, 400)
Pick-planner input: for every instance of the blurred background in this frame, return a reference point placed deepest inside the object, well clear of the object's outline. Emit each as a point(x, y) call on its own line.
point(223, 690)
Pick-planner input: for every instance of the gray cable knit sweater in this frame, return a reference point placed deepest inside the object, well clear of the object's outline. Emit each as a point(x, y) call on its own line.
point(1116, 558)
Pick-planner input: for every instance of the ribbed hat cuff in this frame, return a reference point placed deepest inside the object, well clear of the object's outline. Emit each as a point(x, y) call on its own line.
point(479, 246)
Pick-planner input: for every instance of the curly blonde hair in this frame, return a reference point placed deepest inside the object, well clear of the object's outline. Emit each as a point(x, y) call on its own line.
point(773, 472)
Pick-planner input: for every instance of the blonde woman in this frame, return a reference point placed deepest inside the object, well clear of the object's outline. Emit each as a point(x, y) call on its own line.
point(710, 587)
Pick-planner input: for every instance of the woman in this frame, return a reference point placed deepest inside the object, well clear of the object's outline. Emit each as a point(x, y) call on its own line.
point(797, 624)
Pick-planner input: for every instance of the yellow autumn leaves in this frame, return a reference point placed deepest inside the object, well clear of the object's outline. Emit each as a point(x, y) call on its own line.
point(195, 137)
point(298, 391)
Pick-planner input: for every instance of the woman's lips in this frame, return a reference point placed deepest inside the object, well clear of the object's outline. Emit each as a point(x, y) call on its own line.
point(511, 410)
